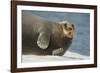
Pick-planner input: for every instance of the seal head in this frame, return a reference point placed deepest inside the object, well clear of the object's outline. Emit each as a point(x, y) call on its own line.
point(68, 29)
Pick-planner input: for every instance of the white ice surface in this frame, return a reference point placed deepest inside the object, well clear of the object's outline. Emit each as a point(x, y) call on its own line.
point(67, 56)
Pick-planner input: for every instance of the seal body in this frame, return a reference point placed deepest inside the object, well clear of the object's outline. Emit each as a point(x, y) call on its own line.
point(44, 37)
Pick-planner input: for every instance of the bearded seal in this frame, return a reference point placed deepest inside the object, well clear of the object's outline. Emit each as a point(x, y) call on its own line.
point(44, 37)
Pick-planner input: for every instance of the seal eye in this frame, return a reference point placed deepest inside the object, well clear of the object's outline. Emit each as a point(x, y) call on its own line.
point(69, 28)
point(65, 25)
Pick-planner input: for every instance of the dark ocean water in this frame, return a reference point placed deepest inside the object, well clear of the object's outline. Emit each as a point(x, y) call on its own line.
point(81, 21)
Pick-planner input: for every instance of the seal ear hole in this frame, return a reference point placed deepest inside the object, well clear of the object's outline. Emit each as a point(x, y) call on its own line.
point(73, 26)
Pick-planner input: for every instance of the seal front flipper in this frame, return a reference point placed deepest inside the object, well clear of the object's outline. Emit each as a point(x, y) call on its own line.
point(58, 52)
point(43, 40)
